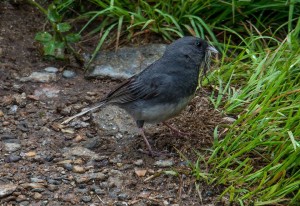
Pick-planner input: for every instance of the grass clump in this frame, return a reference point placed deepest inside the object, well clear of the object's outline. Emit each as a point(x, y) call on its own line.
point(259, 158)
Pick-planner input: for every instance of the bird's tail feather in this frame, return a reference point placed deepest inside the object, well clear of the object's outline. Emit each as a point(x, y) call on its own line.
point(85, 110)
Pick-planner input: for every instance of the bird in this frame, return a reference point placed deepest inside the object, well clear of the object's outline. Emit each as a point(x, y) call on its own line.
point(164, 88)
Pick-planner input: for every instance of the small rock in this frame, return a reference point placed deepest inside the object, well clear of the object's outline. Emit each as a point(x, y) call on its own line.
point(140, 172)
point(68, 166)
point(78, 169)
point(51, 69)
point(99, 191)
point(54, 182)
point(36, 180)
point(21, 198)
point(68, 74)
point(52, 188)
point(66, 110)
point(79, 124)
point(79, 138)
point(1, 113)
point(37, 196)
point(81, 152)
point(7, 189)
point(39, 77)
point(70, 197)
point(164, 163)
point(24, 203)
point(86, 198)
point(91, 176)
point(13, 109)
point(11, 147)
point(138, 162)
point(121, 204)
point(33, 185)
point(46, 91)
point(115, 179)
point(30, 154)
point(12, 158)
point(122, 196)
point(5, 123)
point(229, 120)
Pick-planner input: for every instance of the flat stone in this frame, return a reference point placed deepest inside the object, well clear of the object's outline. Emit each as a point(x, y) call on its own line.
point(7, 189)
point(46, 91)
point(12, 158)
point(86, 198)
point(164, 163)
point(125, 62)
point(68, 74)
point(41, 77)
point(78, 169)
point(229, 120)
point(80, 152)
point(51, 69)
point(11, 147)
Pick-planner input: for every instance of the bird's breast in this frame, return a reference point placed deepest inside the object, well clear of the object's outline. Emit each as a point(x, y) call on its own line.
point(157, 112)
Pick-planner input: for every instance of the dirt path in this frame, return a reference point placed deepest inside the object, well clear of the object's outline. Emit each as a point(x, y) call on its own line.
point(44, 164)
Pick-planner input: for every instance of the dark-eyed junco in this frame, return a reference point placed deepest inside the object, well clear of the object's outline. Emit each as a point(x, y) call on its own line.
point(164, 88)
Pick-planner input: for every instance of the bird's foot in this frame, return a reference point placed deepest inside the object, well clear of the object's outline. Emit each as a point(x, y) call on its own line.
point(177, 132)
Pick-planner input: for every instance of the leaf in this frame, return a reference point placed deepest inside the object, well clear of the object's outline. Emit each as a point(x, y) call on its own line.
point(63, 27)
point(53, 15)
point(49, 48)
point(171, 172)
point(43, 37)
point(72, 38)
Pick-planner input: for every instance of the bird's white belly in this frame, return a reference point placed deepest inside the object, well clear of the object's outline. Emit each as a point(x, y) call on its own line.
point(161, 112)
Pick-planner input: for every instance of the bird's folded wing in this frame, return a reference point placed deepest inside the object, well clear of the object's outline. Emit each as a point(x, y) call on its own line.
point(136, 88)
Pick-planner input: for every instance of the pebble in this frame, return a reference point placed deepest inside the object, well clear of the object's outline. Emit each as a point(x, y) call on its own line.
point(68, 74)
point(86, 198)
point(12, 158)
point(78, 169)
point(138, 162)
point(12, 147)
point(52, 188)
point(24, 203)
point(13, 109)
point(99, 191)
point(21, 198)
point(37, 196)
point(81, 152)
point(35, 179)
point(123, 196)
point(54, 182)
point(68, 166)
point(229, 120)
point(7, 189)
point(33, 185)
point(51, 69)
point(121, 204)
point(1, 113)
point(164, 163)
point(90, 176)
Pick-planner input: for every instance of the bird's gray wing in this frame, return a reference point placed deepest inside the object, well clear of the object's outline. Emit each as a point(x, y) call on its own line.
point(138, 87)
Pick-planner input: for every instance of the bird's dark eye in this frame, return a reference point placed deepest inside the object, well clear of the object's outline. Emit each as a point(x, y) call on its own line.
point(198, 43)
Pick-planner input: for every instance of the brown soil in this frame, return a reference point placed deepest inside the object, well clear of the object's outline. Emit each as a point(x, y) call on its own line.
point(42, 143)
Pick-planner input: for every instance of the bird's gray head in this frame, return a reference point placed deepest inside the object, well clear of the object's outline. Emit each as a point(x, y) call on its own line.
point(191, 50)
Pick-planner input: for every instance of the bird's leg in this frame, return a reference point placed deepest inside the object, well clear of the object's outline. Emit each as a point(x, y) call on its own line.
point(140, 124)
point(176, 131)
point(146, 141)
